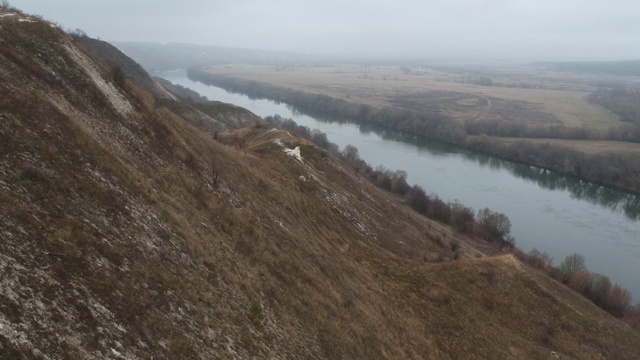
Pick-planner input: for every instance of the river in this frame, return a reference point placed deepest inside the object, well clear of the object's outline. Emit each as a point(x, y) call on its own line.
point(553, 213)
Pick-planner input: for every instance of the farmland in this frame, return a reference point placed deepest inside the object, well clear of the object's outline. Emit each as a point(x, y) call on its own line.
point(548, 100)
point(517, 95)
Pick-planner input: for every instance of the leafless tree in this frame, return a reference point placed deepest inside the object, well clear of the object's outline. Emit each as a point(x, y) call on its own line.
point(573, 263)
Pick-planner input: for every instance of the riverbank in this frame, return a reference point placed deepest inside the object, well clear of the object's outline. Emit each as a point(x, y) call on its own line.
point(492, 227)
point(616, 169)
point(549, 211)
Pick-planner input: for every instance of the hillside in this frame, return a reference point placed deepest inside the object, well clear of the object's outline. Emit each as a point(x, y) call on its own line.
point(113, 57)
point(134, 227)
point(212, 116)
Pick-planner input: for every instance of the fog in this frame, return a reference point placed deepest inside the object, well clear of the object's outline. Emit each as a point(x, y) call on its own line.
point(464, 29)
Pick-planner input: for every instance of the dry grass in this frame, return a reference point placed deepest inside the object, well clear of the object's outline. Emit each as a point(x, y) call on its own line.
point(436, 91)
point(141, 235)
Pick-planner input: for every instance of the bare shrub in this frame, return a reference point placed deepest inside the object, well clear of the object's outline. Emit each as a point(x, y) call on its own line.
point(572, 263)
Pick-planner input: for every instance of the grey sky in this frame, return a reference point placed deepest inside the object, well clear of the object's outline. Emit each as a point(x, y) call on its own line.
point(489, 29)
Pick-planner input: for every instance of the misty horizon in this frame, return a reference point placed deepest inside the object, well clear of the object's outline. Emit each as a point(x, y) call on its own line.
point(460, 30)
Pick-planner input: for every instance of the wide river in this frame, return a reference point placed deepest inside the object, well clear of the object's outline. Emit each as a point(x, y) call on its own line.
point(553, 213)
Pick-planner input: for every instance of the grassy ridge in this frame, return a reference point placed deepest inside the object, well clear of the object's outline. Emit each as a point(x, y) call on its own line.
point(136, 232)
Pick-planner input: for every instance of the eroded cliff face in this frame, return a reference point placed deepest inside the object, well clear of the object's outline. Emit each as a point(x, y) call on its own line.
point(130, 229)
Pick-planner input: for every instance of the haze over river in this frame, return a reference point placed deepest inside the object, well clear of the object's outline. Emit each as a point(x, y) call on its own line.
point(551, 212)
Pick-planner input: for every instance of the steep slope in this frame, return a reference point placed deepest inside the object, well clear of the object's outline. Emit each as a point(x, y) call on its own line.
point(129, 231)
point(209, 116)
point(113, 57)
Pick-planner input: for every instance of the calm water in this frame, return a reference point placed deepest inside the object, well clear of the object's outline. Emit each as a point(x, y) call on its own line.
point(553, 213)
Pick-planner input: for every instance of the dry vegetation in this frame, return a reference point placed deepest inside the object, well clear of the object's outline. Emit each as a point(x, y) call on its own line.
point(130, 232)
point(445, 92)
point(585, 146)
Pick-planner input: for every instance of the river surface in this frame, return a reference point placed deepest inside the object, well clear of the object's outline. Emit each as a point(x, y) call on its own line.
point(550, 212)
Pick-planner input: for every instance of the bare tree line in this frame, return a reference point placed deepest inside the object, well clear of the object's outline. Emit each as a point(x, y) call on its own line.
point(617, 169)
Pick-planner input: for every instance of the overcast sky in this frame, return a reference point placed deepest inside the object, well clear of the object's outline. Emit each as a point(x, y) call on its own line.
point(487, 29)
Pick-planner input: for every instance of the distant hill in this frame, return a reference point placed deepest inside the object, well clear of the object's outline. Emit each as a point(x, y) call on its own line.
point(139, 226)
point(157, 57)
point(626, 68)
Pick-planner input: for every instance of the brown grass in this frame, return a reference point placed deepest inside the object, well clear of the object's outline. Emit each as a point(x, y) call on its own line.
point(385, 85)
point(119, 239)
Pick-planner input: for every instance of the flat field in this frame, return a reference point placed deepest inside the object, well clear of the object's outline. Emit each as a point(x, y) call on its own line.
point(517, 94)
point(558, 100)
